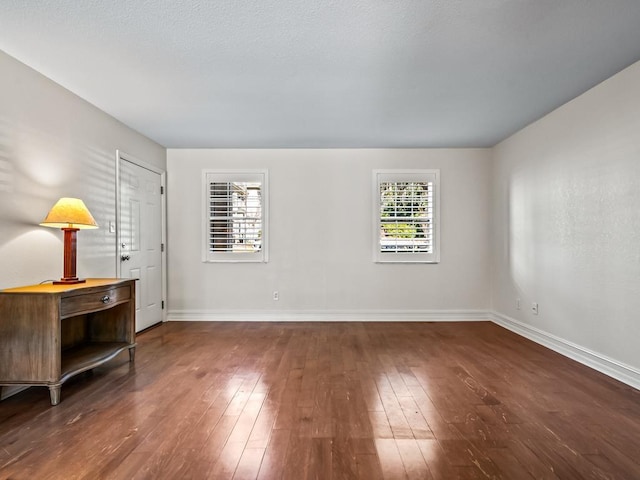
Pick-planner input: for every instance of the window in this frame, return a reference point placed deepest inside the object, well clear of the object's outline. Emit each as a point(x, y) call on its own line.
point(235, 216)
point(406, 206)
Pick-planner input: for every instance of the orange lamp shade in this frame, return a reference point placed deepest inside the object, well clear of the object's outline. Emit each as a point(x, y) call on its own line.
point(69, 213)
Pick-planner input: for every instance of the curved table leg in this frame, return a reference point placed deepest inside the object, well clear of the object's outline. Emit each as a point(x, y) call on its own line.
point(132, 354)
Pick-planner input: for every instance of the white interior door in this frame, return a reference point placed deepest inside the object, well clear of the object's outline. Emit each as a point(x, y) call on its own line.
point(140, 238)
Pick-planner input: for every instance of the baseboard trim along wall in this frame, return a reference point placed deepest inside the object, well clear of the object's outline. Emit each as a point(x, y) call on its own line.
point(603, 364)
point(608, 366)
point(624, 373)
point(330, 316)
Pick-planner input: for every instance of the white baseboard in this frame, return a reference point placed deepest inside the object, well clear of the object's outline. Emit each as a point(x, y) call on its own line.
point(599, 362)
point(609, 366)
point(613, 368)
point(330, 316)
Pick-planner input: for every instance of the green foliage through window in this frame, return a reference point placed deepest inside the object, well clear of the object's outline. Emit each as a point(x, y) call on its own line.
point(405, 216)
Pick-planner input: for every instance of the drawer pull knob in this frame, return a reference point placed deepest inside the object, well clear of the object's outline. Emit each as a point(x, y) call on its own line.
point(105, 299)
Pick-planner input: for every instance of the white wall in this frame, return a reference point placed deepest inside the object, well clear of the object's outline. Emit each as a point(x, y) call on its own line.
point(320, 247)
point(563, 194)
point(567, 226)
point(54, 144)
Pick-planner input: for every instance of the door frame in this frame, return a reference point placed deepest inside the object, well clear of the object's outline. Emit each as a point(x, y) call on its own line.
point(120, 157)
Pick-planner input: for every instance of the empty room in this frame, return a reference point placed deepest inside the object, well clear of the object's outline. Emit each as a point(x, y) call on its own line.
point(330, 240)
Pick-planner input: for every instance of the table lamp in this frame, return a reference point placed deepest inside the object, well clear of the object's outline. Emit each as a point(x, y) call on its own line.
point(71, 215)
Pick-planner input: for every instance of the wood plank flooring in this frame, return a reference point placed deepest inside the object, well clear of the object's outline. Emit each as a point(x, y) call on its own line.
point(294, 401)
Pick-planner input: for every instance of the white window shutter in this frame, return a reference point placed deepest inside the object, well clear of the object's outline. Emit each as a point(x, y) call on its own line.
point(234, 218)
point(406, 219)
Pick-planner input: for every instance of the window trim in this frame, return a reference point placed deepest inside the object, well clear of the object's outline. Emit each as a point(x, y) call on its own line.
point(236, 176)
point(406, 175)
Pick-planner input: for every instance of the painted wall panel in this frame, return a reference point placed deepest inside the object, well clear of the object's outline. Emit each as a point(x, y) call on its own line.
point(54, 144)
point(320, 255)
point(567, 221)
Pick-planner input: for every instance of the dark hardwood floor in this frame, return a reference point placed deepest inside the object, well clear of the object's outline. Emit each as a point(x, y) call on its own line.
point(328, 401)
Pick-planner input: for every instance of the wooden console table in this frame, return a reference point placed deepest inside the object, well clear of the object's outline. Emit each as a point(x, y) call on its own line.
point(49, 333)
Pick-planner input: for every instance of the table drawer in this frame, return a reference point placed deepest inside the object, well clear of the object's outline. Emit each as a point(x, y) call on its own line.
point(88, 302)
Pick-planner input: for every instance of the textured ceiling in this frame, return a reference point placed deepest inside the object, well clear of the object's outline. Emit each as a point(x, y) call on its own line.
point(324, 73)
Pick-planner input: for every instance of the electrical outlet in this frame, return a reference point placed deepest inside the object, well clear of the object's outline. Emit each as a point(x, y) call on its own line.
point(276, 296)
point(517, 304)
point(534, 308)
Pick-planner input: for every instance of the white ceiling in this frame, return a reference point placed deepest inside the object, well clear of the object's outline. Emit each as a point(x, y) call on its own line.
point(324, 73)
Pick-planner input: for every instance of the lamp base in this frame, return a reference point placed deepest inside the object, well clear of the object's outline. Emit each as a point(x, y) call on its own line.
point(69, 281)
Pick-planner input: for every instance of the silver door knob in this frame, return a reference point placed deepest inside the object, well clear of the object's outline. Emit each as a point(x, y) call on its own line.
point(124, 258)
